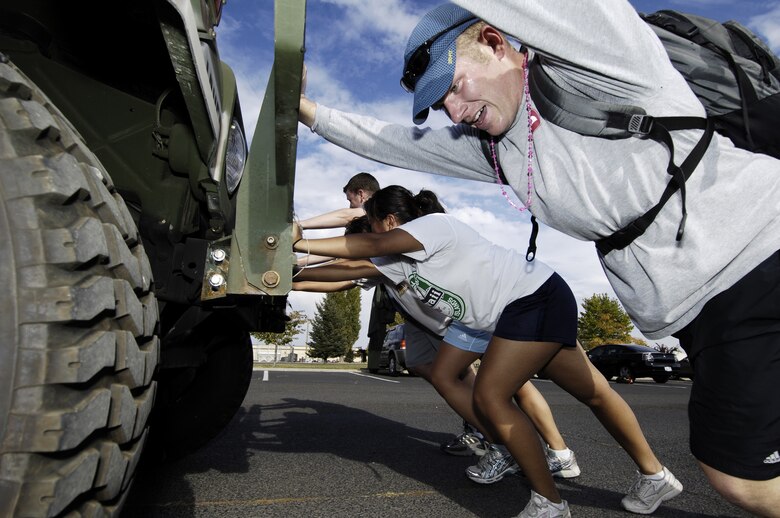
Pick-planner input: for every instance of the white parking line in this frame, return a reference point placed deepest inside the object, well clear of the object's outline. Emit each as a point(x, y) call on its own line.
point(265, 375)
point(640, 384)
point(657, 385)
point(373, 377)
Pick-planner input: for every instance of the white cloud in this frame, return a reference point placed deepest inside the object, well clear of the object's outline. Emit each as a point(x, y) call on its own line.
point(390, 20)
point(768, 25)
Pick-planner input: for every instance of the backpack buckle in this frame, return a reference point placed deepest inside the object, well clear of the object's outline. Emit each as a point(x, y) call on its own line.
point(640, 124)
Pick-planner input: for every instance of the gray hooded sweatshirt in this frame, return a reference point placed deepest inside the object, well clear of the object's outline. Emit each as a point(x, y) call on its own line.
point(589, 187)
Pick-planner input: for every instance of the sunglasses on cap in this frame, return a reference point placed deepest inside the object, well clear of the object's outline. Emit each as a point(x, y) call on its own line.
point(421, 57)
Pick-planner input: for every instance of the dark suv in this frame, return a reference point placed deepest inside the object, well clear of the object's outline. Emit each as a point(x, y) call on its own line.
point(629, 361)
point(393, 354)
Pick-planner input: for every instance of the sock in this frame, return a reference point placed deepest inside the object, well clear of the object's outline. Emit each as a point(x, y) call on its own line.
point(561, 454)
point(560, 506)
point(656, 476)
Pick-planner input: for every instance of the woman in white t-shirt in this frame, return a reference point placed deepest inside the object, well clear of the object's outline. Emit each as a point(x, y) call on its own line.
point(429, 331)
point(528, 307)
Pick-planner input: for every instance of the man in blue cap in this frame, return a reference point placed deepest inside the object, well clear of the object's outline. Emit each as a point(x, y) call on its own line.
point(717, 289)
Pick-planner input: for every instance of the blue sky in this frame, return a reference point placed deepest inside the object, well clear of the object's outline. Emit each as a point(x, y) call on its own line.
point(354, 52)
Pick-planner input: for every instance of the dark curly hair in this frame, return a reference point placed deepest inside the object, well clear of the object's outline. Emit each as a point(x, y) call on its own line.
point(358, 225)
point(400, 202)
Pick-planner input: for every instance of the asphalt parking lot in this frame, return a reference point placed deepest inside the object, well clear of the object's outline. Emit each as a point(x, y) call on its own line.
point(344, 443)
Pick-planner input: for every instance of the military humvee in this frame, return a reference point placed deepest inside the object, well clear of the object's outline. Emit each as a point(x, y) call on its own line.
point(140, 239)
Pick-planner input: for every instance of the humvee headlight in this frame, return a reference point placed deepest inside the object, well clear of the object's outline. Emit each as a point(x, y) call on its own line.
point(235, 157)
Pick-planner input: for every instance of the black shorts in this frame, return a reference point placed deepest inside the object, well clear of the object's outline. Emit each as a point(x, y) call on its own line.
point(734, 345)
point(547, 315)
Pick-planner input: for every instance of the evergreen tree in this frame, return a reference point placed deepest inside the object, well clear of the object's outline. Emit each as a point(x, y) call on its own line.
point(603, 321)
point(336, 325)
point(352, 311)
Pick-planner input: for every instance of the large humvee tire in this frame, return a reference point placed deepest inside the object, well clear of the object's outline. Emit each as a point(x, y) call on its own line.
point(77, 319)
point(195, 404)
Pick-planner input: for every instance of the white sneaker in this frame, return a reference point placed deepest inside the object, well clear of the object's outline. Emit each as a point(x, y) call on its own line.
point(646, 494)
point(540, 507)
point(492, 466)
point(465, 445)
point(562, 468)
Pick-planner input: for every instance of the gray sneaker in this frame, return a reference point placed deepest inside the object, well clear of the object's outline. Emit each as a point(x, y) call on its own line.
point(562, 468)
point(465, 445)
point(492, 466)
point(540, 507)
point(646, 495)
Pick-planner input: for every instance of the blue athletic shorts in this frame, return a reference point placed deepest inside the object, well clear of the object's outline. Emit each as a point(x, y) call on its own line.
point(466, 338)
point(547, 315)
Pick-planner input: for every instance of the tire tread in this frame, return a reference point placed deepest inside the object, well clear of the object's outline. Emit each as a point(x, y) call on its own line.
point(86, 344)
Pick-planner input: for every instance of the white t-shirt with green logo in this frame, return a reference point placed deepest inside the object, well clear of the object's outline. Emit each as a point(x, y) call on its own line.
point(462, 274)
point(426, 316)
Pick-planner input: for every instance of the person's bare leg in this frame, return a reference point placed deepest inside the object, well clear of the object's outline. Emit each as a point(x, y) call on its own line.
point(505, 367)
point(423, 370)
point(531, 401)
point(760, 497)
point(448, 367)
point(571, 370)
point(469, 374)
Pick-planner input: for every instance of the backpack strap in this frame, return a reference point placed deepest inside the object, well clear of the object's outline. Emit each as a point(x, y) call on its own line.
point(484, 142)
point(617, 121)
point(623, 237)
point(584, 116)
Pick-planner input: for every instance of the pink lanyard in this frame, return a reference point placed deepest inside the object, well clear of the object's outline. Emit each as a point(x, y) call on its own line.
point(531, 128)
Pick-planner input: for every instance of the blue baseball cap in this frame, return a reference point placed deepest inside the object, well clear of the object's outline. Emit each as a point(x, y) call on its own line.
point(429, 58)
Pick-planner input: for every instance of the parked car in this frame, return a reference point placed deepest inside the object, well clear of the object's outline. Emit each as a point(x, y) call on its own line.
point(686, 369)
point(393, 354)
point(629, 361)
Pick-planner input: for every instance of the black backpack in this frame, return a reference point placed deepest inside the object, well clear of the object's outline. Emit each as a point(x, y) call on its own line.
point(733, 73)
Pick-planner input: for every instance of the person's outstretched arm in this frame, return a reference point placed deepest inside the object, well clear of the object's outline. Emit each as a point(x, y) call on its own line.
point(347, 270)
point(334, 219)
point(307, 111)
point(358, 246)
point(323, 287)
point(311, 260)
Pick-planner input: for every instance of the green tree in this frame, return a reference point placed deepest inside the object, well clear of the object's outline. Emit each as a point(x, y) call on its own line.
point(336, 325)
point(399, 319)
point(352, 311)
point(291, 329)
point(604, 321)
